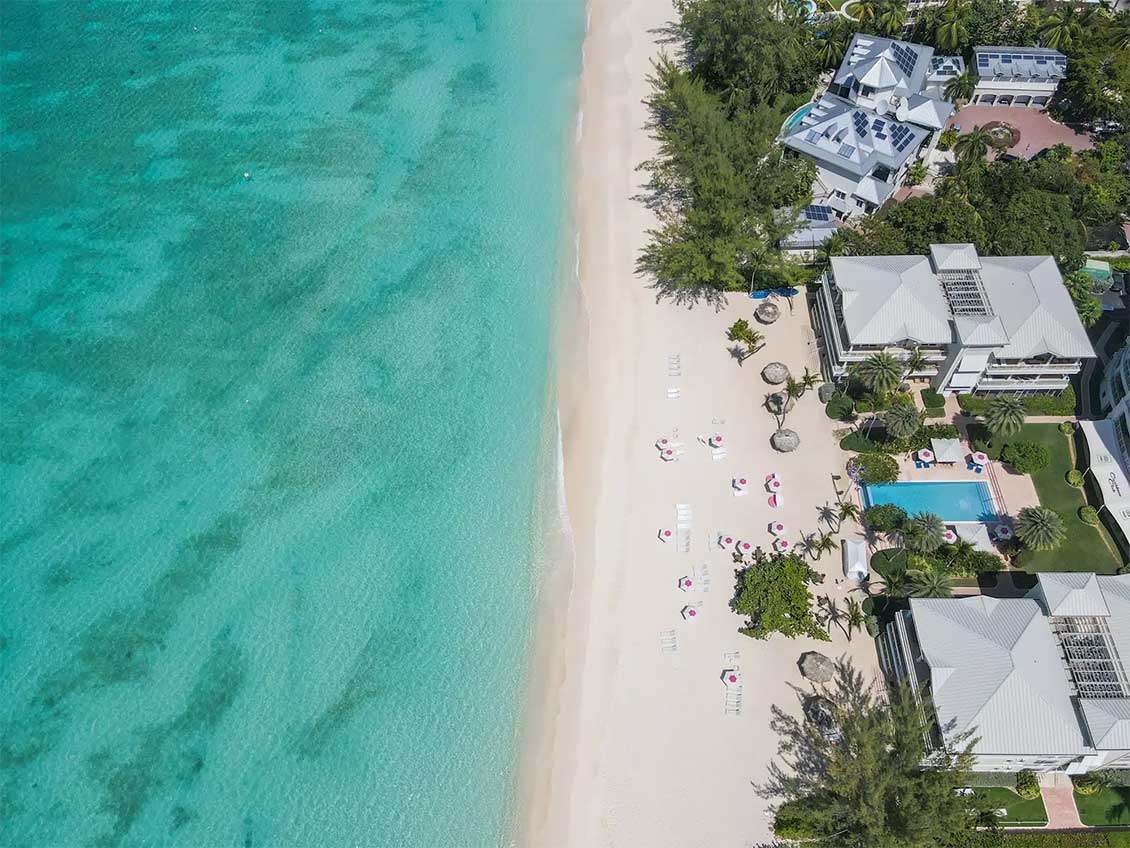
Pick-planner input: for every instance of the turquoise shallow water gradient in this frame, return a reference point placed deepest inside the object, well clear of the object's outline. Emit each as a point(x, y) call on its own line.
point(271, 444)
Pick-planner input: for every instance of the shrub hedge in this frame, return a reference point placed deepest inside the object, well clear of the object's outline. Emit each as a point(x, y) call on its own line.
point(1089, 515)
point(1075, 478)
point(1034, 404)
point(792, 822)
point(883, 518)
point(840, 408)
point(1027, 786)
point(931, 400)
point(876, 440)
point(1026, 457)
point(876, 468)
point(1086, 784)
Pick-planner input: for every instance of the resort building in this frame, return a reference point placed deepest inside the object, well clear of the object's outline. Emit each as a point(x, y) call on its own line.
point(996, 324)
point(1107, 450)
point(1017, 76)
point(882, 107)
point(1040, 681)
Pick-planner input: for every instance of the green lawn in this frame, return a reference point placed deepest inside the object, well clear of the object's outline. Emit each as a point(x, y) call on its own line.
point(1109, 806)
point(1021, 812)
point(1087, 548)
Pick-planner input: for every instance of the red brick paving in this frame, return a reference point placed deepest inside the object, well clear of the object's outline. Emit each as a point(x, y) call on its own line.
point(1060, 804)
point(1037, 130)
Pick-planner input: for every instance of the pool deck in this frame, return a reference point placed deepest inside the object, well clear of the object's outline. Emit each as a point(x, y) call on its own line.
point(1011, 492)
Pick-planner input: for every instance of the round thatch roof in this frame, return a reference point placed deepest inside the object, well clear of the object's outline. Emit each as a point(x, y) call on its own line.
point(779, 402)
point(775, 373)
point(767, 312)
point(816, 667)
point(825, 392)
point(785, 440)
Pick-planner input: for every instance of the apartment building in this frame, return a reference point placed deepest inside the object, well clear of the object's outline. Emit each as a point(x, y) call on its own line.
point(1040, 681)
point(984, 324)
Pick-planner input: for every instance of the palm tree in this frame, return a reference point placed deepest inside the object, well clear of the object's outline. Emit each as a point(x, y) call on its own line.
point(902, 420)
point(973, 145)
point(1040, 528)
point(848, 510)
point(895, 584)
point(891, 17)
point(810, 380)
point(1061, 28)
point(853, 615)
point(930, 584)
point(740, 331)
point(831, 46)
point(915, 361)
point(865, 10)
point(880, 372)
point(1005, 415)
point(832, 614)
point(1119, 31)
point(951, 31)
point(924, 533)
point(961, 87)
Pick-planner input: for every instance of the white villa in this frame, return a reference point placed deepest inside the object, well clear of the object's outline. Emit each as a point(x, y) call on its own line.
point(1040, 681)
point(983, 323)
point(882, 107)
point(1017, 76)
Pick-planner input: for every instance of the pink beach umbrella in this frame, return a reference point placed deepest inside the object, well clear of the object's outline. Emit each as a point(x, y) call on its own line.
point(667, 455)
point(745, 547)
point(716, 440)
point(926, 455)
point(1003, 531)
point(740, 483)
point(732, 677)
point(782, 545)
point(950, 537)
point(776, 500)
point(685, 583)
point(777, 528)
point(775, 484)
point(980, 458)
point(726, 540)
point(665, 535)
point(690, 612)
point(662, 443)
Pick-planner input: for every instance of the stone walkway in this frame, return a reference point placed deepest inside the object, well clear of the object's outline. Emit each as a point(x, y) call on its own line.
point(1059, 801)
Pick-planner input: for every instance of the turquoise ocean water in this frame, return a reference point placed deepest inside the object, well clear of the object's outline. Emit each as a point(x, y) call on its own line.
point(271, 445)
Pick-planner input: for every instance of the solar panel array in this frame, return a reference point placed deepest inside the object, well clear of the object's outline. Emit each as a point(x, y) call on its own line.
point(901, 136)
point(861, 122)
point(1092, 657)
point(965, 293)
point(987, 60)
point(846, 150)
point(905, 58)
point(819, 213)
point(812, 136)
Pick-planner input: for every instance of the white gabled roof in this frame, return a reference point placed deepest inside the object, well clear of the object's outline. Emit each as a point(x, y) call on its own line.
point(995, 670)
point(1116, 593)
point(887, 299)
point(884, 63)
point(927, 111)
point(1071, 593)
point(1038, 313)
point(1108, 722)
point(851, 138)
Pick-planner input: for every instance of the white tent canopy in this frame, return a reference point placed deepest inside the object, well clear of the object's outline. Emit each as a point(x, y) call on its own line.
point(855, 559)
point(1106, 466)
point(947, 450)
point(977, 535)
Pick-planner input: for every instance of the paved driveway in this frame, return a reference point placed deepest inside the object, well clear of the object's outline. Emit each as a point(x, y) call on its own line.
point(1037, 130)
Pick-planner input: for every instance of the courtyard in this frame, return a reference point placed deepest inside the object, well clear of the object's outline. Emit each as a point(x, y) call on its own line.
point(1037, 129)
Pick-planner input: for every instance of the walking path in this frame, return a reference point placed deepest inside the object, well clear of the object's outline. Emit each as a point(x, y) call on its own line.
point(1059, 801)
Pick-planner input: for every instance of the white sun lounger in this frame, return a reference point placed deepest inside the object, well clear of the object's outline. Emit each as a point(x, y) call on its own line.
point(668, 641)
point(717, 454)
point(673, 393)
point(683, 539)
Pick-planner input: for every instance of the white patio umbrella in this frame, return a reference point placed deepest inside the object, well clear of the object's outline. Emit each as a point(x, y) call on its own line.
point(980, 458)
point(716, 440)
point(690, 611)
point(726, 540)
point(926, 455)
point(666, 535)
point(782, 545)
point(740, 483)
point(732, 677)
point(686, 583)
point(777, 528)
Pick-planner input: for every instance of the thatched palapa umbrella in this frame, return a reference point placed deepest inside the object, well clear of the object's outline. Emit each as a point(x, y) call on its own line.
point(767, 313)
point(816, 667)
point(775, 373)
point(785, 440)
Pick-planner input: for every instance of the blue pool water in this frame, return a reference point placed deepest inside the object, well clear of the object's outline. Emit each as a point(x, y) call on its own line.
point(797, 116)
point(278, 290)
point(950, 501)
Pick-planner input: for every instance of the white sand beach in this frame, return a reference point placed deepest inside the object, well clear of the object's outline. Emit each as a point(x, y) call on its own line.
point(628, 745)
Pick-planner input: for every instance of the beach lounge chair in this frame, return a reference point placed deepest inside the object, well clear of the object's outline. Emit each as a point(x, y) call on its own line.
point(739, 493)
point(979, 469)
point(717, 454)
point(673, 393)
point(730, 658)
point(668, 641)
point(683, 538)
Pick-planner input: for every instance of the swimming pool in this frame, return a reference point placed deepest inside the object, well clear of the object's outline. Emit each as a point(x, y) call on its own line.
point(950, 501)
point(796, 117)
